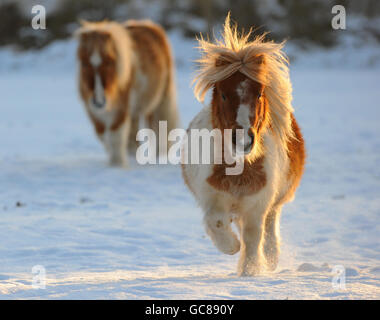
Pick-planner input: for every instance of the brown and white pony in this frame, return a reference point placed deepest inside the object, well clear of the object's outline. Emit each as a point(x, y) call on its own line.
point(126, 71)
point(251, 90)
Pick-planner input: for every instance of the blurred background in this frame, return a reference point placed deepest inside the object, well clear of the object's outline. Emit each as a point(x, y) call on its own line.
point(306, 23)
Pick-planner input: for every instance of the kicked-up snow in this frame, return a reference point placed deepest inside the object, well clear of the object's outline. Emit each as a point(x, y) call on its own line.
point(101, 232)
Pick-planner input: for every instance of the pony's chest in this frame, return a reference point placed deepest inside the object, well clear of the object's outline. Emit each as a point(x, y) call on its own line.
point(249, 182)
point(107, 118)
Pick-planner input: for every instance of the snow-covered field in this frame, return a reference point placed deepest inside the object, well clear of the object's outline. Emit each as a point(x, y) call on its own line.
point(102, 232)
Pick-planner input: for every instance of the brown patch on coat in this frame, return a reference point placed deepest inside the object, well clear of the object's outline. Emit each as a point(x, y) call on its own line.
point(250, 181)
point(155, 61)
point(98, 125)
point(149, 35)
point(297, 157)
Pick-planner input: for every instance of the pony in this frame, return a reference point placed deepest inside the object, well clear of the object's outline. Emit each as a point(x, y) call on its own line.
point(251, 91)
point(126, 73)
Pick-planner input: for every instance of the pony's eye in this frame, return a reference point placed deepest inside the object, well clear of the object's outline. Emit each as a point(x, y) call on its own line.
point(108, 62)
point(223, 97)
point(259, 95)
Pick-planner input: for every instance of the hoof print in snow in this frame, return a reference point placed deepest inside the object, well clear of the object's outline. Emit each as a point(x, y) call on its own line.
point(308, 267)
point(351, 272)
point(84, 200)
point(19, 204)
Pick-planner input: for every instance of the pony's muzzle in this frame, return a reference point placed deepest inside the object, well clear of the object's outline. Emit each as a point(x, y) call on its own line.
point(98, 103)
point(243, 142)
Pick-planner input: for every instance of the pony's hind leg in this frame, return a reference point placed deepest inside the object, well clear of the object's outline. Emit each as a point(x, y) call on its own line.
point(272, 238)
point(218, 227)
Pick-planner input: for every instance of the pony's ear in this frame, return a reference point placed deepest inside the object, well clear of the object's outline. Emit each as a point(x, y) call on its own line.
point(259, 59)
point(79, 32)
point(83, 22)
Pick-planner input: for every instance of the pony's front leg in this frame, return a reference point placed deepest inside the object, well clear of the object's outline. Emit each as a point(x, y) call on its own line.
point(116, 141)
point(134, 128)
point(251, 229)
point(218, 227)
point(272, 238)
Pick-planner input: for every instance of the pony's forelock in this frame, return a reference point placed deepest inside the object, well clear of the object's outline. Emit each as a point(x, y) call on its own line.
point(260, 60)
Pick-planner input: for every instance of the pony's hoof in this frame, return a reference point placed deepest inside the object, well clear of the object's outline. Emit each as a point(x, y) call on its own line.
point(247, 273)
point(118, 163)
point(272, 264)
point(230, 245)
point(233, 248)
point(251, 272)
point(248, 269)
point(271, 257)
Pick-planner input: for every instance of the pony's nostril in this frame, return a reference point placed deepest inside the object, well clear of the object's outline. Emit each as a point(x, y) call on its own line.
point(99, 104)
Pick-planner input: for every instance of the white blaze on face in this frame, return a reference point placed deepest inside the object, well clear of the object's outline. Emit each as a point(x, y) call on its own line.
point(243, 115)
point(96, 60)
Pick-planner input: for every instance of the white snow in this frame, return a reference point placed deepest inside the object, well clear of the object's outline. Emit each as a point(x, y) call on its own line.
point(102, 232)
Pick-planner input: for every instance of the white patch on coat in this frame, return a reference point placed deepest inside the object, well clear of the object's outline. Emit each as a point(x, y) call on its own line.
point(198, 174)
point(243, 114)
point(96, 60)
point(242, 118)
point(242, 89)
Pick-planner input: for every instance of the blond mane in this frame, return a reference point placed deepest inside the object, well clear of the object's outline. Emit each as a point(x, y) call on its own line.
point(122, 42)
point(262, 61)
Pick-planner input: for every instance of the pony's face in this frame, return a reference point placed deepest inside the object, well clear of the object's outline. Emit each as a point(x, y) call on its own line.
point(240, 104)
point(98, 69)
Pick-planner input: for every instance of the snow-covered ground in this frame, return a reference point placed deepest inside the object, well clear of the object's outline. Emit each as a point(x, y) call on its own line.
point(102, 232)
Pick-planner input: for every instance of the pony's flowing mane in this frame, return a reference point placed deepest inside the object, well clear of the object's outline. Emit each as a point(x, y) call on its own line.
point(122, 42)
point(264, 62)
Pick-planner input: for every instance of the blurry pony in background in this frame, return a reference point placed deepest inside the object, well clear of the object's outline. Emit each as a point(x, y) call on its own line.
point(126, 72)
